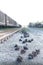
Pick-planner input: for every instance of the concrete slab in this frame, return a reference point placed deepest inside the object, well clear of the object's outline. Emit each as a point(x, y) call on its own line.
point(6, 33)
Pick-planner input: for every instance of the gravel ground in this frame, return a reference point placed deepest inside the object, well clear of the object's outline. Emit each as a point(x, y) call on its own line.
point(8, 55)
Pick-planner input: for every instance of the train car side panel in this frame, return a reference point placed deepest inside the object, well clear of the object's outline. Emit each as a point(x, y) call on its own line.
point(2, 18)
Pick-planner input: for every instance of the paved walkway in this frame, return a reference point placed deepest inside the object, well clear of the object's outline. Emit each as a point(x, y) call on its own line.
point(6, 33)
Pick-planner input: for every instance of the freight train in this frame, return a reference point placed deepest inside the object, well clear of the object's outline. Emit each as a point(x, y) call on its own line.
point(6, 21)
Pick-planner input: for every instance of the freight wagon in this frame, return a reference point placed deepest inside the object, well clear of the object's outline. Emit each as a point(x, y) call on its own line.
point(6, 21)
